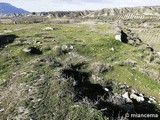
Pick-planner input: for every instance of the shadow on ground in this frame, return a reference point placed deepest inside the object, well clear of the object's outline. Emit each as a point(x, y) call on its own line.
point(7, 39)
point(111, 105)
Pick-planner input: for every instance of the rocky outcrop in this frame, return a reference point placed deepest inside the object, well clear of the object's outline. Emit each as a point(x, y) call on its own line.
point(32, 50)
point(125, 35)
point(103, 96)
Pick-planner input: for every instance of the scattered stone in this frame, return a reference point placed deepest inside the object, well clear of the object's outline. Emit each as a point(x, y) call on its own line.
point(112, 49)
point(104, 109)
point(39, 100)
point(150, 48)
point(126, 96)
point(106, 89)
point(158, 54)
point(118, 33)
point(67, 48)
point(2, 109)
point(100, 68)
point(75, 106)
point(136, 97)
point(131, 42)
point(96, 78)
point(122, 86)
point(141, 95)
point(51, 28)
point(118, 37)
point(32, 50)
point(64, 49)
point(152, 99)
point(121, 102)
point(38, 42)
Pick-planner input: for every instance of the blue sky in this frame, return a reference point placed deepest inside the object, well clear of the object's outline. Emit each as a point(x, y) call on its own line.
point(70, 5)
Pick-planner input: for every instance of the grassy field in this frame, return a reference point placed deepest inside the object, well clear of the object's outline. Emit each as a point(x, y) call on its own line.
point(29, 87)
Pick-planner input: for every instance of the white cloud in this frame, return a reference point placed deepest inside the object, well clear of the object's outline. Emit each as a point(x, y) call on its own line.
point(59, 5)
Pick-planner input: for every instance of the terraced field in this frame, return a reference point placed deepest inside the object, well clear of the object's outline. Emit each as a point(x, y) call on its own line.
point(150, 36)
point(130, 16)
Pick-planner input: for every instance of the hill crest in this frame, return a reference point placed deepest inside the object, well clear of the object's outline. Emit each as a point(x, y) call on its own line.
point(6, 8)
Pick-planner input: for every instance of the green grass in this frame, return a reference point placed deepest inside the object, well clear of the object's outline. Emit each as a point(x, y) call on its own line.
point(135, 79)
point(56, 99)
